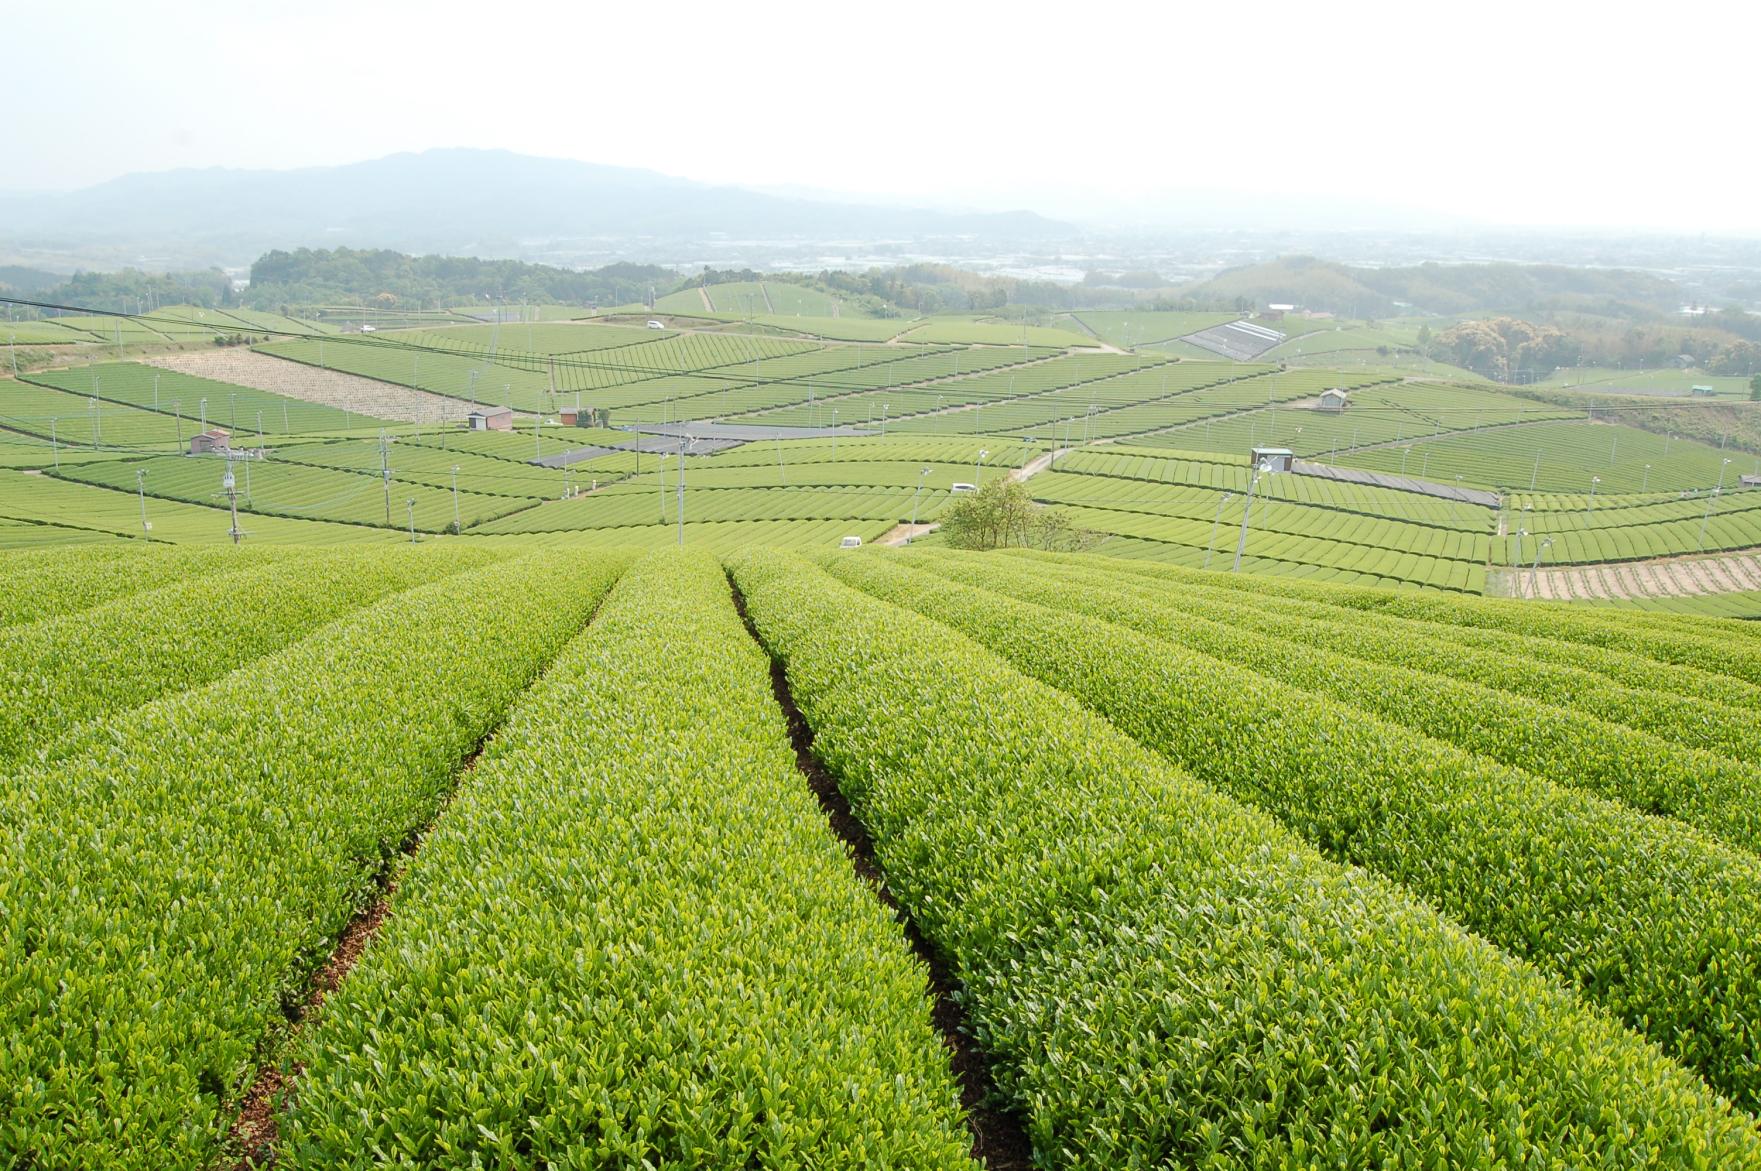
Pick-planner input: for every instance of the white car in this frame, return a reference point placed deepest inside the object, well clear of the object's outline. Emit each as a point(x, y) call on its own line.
point(850, 543)
point(655, 325)
point(960, 486)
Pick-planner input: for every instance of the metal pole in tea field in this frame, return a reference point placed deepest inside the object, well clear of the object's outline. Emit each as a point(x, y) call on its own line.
point(1215, 522)
point(685, 444)
point(411, 505)
point(1710, 500)
point(141, 491)
point(1246, 513)
point(54, 445)
point(456, 526)
point(1535, 569)
point(914, 495)
point(385, 475)
point(230, 485)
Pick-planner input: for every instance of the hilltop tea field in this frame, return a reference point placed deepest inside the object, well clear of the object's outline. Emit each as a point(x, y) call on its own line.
point(551, 855)
point(761, 728)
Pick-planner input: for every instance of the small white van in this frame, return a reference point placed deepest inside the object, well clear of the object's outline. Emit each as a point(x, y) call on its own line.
point(652, 324)
point(850, 543)
point(960, 486)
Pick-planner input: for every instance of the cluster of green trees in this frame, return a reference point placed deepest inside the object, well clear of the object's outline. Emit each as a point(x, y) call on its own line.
point(1003, 514)
point(942, 288)
point(1506, 349)
point(126, 291)
point(326, 276)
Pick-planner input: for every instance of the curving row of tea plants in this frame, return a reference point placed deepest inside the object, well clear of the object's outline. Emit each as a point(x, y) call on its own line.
point(1209, 870)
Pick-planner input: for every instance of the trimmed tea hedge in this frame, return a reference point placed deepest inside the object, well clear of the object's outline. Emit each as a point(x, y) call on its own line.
point(1164, 977)
point(633, 941)
point(169, 885)
point(1647, 917)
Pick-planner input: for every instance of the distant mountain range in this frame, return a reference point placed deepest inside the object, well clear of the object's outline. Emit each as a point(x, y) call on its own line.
point(469, 202)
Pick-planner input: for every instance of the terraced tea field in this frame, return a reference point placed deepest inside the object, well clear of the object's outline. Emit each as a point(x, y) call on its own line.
point(1435, 484)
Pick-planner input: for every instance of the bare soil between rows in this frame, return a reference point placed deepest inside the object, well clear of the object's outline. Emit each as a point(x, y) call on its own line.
point(999, 1140)
point(256, 1130)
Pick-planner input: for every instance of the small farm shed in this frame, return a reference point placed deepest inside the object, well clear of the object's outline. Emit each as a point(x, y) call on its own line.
point(1705, 391)
point(501, 419)
point(210, 441)
point(1333, 399)
point(1273, 459)
point(1748, 481)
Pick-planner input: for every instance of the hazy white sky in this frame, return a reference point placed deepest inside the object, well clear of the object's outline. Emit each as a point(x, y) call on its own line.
point(1592, 114)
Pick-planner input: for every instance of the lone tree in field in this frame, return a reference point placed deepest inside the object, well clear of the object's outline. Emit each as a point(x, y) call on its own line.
point(1003, 514)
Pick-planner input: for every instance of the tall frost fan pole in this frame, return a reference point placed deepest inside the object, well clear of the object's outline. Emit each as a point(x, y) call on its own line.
point(685, 442)
point(385, 475)
point(231, 486)
point(1241, 544)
